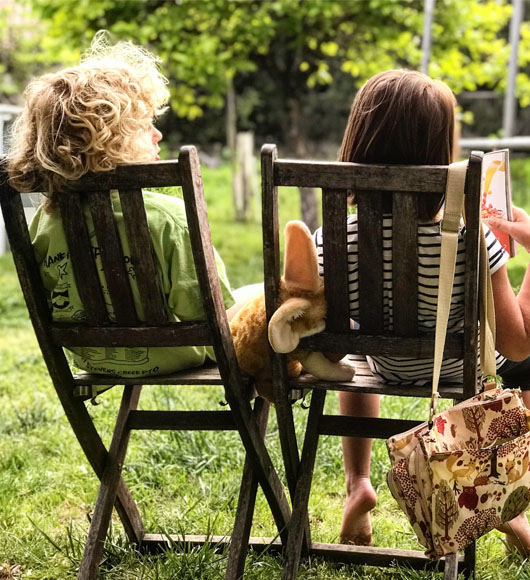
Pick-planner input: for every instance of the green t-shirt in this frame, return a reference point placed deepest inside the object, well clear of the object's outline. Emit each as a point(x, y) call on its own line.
point(169, 233)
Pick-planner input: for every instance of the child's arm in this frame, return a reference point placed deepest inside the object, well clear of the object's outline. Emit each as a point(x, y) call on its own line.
point(518, 228)
point(512, 315)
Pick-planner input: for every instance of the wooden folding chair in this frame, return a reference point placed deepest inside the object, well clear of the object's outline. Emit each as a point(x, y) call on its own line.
point(128, 331)
point(378, 190)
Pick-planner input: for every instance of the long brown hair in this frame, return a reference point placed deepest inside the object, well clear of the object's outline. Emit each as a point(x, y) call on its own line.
point(402, 117)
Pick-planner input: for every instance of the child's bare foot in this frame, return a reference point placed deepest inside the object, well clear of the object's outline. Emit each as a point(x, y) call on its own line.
point(356, 525)
point(517, 534)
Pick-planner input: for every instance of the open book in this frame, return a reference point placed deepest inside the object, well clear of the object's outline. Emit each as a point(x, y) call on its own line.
point(496, 193)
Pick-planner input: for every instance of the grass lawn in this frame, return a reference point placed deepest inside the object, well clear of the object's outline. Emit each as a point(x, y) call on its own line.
point(184, 482)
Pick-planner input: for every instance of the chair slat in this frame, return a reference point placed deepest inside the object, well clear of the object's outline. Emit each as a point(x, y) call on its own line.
point(176, 334)
point(142, 256)
point(82, 258)
point(325, 174)
point(205, 266)
point(182, 420)
point(112, 259)
point(159, 174)
point(357, 342)
point(334, 211)
point(473, 225)
point(370, 246)
point(405, 253)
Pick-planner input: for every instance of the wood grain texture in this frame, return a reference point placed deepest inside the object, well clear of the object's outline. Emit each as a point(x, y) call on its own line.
point(334, 212)
point(334, 175)
point(181, 420)
point(143, 257)
point(339, 553)
point(176, 334)
point(112, 258)
point(472, 203)
point(159, 174)
point(404, 255)
point(246, 502)
point(271, 271)
point(421, 346)
point(370, 261)
point(293, 548)
point(82, 258)
point(110, 479)
point(235, 390)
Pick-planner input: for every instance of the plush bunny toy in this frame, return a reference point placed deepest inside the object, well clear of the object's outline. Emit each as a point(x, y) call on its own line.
point(302, 312)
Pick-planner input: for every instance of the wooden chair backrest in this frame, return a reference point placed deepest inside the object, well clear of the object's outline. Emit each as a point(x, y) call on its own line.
point(372, 184)
point(93, 190)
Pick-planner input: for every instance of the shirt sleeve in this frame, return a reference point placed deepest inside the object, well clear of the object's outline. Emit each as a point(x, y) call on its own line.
point(498, 256)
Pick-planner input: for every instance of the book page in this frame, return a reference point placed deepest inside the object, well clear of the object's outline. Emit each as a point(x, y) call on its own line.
point(496, 193)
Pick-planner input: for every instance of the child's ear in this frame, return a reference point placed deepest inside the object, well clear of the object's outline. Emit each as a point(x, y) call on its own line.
point(301, 265)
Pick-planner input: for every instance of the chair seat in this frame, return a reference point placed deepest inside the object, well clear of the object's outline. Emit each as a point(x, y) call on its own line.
point(207, 374)
point(365, 381)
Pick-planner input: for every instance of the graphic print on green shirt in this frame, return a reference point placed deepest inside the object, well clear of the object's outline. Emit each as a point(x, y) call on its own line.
point(174, 260)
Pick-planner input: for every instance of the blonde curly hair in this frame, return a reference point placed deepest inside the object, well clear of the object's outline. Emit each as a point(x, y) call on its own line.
point(89, 117)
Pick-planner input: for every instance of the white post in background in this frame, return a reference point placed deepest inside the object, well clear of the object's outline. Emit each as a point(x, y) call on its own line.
point(426, 41)
point(245, 175)
point(510, 101)
point(7, 114)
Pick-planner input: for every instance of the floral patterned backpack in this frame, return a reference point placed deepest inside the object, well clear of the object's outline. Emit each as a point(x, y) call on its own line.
point(465, 472)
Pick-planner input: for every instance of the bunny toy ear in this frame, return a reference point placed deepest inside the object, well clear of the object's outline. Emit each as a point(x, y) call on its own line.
point(282, 336)
point(301, 265)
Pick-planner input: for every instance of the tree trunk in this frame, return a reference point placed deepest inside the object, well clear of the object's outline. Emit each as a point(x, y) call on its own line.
point(297, 139)
point(309, 207)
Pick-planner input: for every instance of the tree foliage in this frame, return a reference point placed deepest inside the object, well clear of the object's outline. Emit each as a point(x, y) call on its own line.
point(205, 42)
point(295, 47)
point(19, 55)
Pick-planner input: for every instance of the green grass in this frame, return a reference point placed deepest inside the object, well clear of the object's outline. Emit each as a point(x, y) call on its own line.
point(183, 481)
point(239, 244)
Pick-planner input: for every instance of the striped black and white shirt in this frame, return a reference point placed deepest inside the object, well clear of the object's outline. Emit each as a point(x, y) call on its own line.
point(408, 370)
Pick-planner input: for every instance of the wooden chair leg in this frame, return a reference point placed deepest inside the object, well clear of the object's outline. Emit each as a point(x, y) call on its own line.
point(303, 487)
point(287, 433)
point(261, 462)
point(97, 454)
point(470, 558)
point(246, 504)
point(451, 567)
point(108, 488)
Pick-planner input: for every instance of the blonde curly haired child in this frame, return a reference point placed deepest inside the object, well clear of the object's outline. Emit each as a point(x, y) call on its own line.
point(93, 117)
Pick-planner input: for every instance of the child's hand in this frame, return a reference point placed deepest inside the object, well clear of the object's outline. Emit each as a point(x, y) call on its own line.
point(518, 229)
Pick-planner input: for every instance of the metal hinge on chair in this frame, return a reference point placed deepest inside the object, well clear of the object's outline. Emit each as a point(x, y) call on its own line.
point(91, 391)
